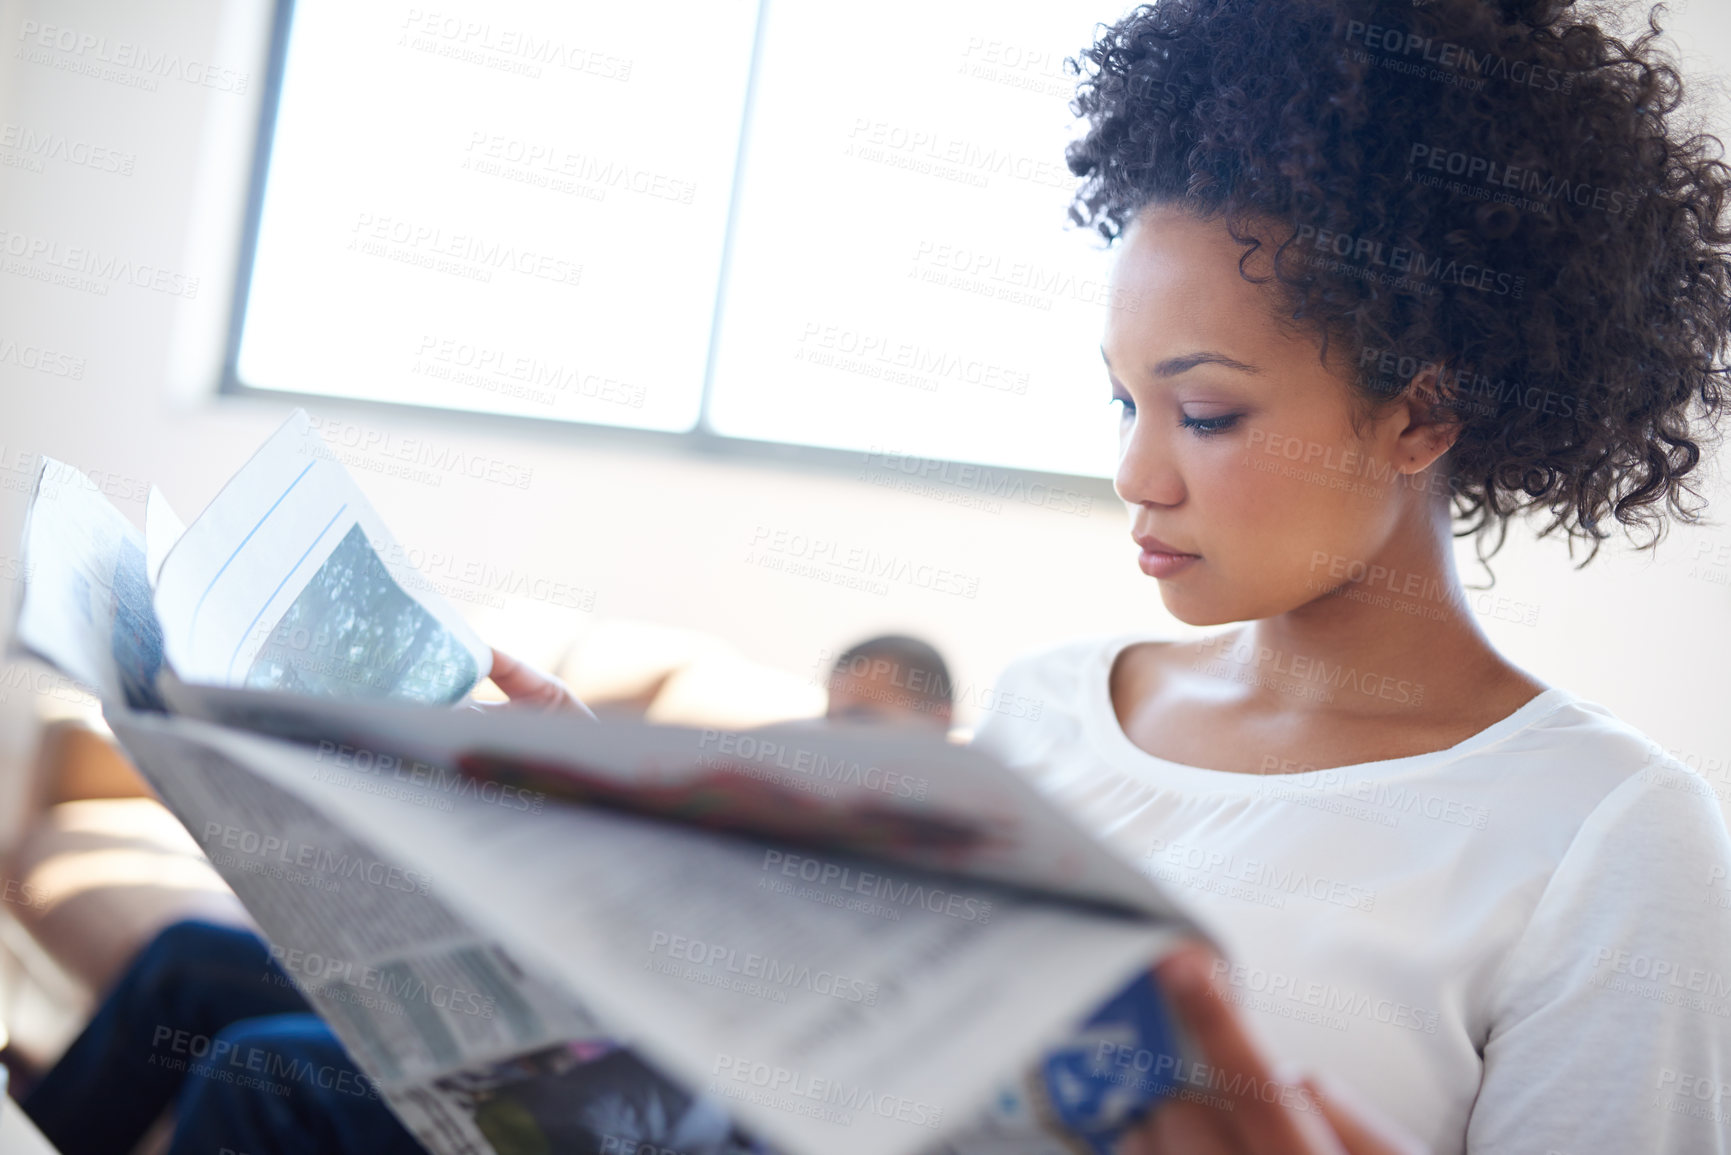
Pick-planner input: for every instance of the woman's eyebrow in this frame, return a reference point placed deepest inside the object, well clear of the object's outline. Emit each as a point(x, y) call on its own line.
point(1173, 366)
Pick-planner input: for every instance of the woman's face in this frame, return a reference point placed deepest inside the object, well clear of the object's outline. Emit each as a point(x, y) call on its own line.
point(1235, 440)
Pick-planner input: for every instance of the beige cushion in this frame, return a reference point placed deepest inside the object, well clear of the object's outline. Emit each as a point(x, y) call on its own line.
point(80, 762)
point(94, 880)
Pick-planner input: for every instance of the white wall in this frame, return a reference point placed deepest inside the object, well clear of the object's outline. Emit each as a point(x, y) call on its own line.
point(655, 533)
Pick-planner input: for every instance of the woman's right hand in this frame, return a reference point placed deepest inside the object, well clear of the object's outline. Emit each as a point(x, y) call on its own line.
point(524, 686)
point(1250, 1110)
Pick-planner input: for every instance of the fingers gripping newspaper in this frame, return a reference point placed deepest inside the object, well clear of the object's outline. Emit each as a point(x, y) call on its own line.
point(829, 941)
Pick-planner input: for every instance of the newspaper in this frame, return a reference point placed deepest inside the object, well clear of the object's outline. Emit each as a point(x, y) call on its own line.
point(540, 931)
point(720, 965)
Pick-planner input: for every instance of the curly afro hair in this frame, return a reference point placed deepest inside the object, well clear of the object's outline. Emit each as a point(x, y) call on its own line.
point(1502, 191)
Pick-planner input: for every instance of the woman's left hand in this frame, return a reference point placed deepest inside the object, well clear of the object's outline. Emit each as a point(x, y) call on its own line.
point(1248, 1109)
point(524, 685)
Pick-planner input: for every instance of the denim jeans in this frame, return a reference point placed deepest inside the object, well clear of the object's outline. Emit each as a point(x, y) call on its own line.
point(203, 1016)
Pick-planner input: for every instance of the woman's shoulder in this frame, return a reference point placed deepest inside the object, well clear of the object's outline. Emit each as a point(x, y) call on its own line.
point(1045, 700)
point(1622, 948)
point(1601, 780)
point(1592, 745)
point(1066, 669)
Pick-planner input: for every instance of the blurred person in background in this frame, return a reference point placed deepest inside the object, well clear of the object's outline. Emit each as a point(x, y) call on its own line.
point(893, 680)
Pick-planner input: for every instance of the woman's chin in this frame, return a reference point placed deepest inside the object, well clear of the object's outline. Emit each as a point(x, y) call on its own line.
point(1195, 611)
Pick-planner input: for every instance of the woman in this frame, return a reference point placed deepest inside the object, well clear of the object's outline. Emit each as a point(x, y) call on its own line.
point(1471, 897)
point(1386, 268)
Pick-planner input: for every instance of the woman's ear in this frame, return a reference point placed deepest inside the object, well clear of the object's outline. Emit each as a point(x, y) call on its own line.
point(1430, 430)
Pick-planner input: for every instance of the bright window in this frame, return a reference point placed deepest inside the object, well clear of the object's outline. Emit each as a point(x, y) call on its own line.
point(523, 207)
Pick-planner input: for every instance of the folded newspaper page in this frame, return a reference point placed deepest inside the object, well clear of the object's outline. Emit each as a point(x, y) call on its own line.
point(86, 607)
point(905, 797)
point(162, 529)
point(830, 1003)
point(288, 580)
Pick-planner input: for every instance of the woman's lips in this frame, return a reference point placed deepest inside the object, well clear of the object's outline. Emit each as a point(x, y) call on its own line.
point(1161, 560)
point(1157, 564)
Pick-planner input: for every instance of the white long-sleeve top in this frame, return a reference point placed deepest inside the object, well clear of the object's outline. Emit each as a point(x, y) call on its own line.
point(1518, 944)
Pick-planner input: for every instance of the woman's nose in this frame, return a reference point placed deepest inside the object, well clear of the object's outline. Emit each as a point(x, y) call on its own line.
point(1147, 473)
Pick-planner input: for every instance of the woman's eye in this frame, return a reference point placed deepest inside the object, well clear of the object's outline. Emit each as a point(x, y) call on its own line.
point(1129, 409)
point(1204, 426)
